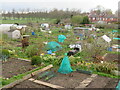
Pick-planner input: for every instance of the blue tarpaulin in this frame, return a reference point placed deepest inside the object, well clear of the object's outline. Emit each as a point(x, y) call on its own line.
point(49, 52)
point(33, 33)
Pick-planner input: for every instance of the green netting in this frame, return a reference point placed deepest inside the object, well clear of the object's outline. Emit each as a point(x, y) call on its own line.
point(53, 46)
point(118, 86)
point(61, 38)
point(65, 66)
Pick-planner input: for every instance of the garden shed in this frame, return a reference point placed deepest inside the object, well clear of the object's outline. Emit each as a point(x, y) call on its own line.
point(68, 26)
point(5, 27)
point(14, 34)
point(45, 26)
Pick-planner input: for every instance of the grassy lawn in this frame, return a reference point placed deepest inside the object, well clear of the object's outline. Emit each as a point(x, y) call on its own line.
point(27, 20)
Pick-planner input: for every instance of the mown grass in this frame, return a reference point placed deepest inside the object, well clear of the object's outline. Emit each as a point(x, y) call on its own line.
point(25, 21)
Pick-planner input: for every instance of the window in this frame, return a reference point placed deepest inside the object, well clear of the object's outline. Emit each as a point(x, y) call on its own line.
point(111, 18)
point(93, 18)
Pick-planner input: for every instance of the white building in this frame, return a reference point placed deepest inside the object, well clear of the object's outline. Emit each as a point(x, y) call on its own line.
point(14, 34)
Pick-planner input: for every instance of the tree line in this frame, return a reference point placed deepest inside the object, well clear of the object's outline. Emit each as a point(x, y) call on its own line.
point(55, 13)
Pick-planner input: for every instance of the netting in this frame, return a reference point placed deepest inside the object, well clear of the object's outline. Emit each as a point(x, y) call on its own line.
point(53, 46)
point(118, 86)
point(65, 67)
point(61, 38)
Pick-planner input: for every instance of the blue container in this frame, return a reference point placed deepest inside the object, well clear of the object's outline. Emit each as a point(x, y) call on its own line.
point(110, 49)
point(33, 33)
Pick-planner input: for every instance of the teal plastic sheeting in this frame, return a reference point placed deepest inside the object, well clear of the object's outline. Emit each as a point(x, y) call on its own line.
point(117, 38)
point(53, 46)
point(65, 67)
point(118, 86)
point(114, 31)
point(61, 38)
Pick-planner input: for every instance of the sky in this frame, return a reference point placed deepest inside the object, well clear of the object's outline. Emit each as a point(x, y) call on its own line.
point(83, 5)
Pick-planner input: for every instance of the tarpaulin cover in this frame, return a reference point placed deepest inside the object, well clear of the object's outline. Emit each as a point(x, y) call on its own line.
point(65, 67)
point(106, 38)
point(49, 52)
point(118, 86)
point(114, 31)
point(53, 46)
point(61, 38)
point(117, 38)
point(33, 33)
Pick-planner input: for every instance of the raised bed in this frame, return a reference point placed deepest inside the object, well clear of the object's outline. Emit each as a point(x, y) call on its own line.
point(13, 84)
point(66, 81)
point(103, 82)
point(29, 84)
point(14, 67)
point(112, 57)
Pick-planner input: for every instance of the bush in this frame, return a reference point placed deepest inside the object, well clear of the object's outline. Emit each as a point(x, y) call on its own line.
point(77, 19)
point(36, 60)
point(5, 52)
point(105, 67)
point(31, 50)
point(34, 50)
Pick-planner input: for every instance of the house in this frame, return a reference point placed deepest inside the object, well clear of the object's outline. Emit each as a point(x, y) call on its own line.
point(93, 17)
point(13, 34)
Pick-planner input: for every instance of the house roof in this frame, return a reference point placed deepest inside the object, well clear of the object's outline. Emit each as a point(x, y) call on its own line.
point(104, 16)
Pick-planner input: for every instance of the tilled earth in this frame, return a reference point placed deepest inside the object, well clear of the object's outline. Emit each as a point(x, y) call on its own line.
point(14, 67)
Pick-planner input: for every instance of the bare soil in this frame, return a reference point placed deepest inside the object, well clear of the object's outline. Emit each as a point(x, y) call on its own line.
point(68, 81)
point(29, 84)
point(14, 67)
point(103, 82)
point(73, 80)
point(112, 57)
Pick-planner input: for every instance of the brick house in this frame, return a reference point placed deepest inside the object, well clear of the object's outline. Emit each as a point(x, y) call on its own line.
point(93, 17)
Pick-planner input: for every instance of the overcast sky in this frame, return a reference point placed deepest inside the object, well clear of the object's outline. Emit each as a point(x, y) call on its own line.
point(84, 5)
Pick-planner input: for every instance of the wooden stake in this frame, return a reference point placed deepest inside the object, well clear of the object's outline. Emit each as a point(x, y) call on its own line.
point(45, 83)
point(26, 77)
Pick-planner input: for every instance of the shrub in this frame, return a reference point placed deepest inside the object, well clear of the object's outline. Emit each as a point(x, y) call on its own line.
point(5, 52)
point(36, 60)
point(105, 67)
point(34, 50)
point(56, 21)
point(77, 19)
point(31, 50)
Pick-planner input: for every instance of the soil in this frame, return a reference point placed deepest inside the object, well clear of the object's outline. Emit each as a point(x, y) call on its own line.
point(112, 57)
point(29, 84)
point(68, 81)
point(73, 81)
point(103, 82)
point(14, 67)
